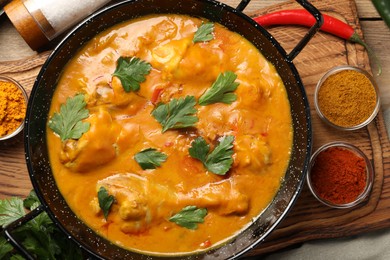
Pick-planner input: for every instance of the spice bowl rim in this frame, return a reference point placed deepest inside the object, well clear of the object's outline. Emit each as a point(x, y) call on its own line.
point(25, 96)
point(338, 69)
point(369, 173)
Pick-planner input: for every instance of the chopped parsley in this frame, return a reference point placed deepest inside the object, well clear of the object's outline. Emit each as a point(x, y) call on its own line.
point(189, 217)
point(150, 158)
point(131, 71)
point(219, 160)
point(178, 113)
point(68, 122)
point(105, 201)
point(204, 33)
point(221, 90)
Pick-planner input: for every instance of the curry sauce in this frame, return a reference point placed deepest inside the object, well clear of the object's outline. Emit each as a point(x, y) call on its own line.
point(122, 124)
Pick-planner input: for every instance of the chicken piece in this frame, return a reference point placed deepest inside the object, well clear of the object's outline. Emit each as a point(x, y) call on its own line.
point(130, 102)
point(168, 56)
point(99, 45)
point(259, 156)
point(223, 197)
point(138, 200)
point(160, 32)
point(201, 61)
point(96, 147)
point(216, 120)
point(252, 95)
point(141, 203)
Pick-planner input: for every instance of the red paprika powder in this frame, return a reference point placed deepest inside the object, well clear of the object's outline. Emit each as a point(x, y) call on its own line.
point(338, 175)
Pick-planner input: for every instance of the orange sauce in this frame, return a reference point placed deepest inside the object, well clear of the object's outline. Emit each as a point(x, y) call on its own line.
point(122, 125)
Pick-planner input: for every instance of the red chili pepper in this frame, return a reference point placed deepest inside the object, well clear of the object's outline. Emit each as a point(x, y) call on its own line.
point(302, 17)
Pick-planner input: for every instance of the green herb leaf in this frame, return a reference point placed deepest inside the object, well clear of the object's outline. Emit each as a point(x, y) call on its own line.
point(150, 158)
point(178, 113)
point(67, 124)
point(40, 240)
point(5, 248)
point(39, 236)
point(199, 149)
point(189, 217)
point(131, 71)
point(221, 90)
point(31, 200)
point(105, 201)
point(204, 33)
point(11, 210)
point(219, 160)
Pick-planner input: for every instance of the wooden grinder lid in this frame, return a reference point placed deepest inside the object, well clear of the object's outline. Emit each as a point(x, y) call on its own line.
point(25, 24)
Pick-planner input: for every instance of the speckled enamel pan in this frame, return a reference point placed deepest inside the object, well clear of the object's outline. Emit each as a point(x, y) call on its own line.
point(233, 18)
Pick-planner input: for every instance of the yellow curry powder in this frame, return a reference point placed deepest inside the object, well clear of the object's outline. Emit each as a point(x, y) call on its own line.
point(12, 107)
point(347, 98)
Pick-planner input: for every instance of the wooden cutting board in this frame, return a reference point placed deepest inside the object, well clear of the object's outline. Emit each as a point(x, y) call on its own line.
point(308, 219)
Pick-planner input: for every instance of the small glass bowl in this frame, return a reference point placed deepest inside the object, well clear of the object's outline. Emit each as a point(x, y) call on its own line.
point(369, 173)
point(20, 128)
point(336, 70)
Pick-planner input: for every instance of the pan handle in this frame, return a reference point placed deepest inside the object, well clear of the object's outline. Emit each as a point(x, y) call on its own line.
point(241, 6)
point(17, 223)
point(313, 30)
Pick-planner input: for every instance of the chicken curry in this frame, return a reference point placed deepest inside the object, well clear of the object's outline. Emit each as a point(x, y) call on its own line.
point(169, 134)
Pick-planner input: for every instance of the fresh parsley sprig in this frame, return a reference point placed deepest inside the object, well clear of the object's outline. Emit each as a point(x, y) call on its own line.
point(40, 236)
point(131, 71)
point(204, 33)
point(68, 122)
point(219, 160)
point(189, 217)
point(178, 113)
point(11, 210)
point(221, 90)
point(105, 201)
point(150, 158)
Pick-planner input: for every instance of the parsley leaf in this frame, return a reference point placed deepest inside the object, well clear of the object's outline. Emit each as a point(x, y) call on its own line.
point(11, 210)
point(219, 160)
point(131, 71)
point(189, 217)
point(67, 124)
point(105, 201)
point(5, 248)
point(31, 200)
point(150, 158)
point(204, 33)
point(40, 236)
point(199, 149)
point(178, 113)
point(221, 90)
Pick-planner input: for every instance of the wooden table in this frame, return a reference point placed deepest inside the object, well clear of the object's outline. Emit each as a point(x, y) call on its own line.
point(14, 180)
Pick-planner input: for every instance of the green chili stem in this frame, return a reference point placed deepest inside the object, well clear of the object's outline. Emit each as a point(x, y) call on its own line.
point(355, 38)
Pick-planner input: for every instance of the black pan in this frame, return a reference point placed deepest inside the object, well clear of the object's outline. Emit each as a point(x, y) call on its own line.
point(38, 107)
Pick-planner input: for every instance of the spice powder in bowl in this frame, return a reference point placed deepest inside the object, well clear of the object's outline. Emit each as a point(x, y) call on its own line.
point(347, 98)
point(340, 175)
point(13, 103)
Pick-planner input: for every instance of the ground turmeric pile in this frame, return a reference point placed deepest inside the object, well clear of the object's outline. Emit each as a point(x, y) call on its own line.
point(12, 107)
